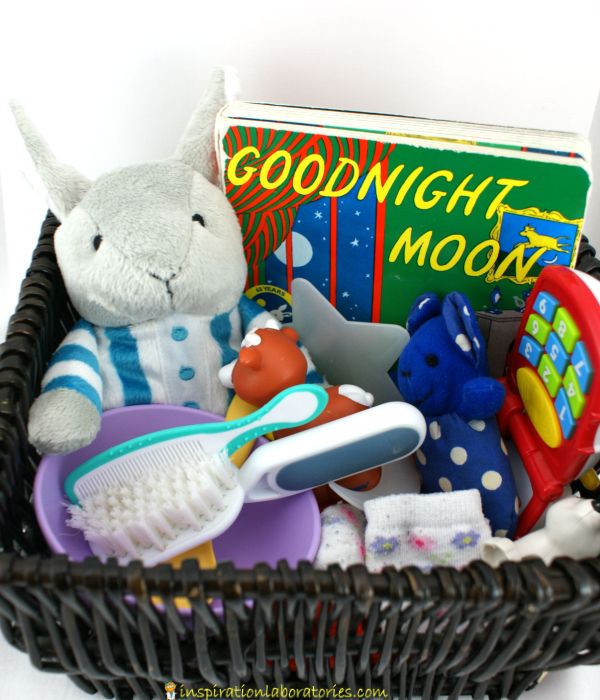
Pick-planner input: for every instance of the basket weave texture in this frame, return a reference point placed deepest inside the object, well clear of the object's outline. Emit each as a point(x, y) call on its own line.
point(475, 632)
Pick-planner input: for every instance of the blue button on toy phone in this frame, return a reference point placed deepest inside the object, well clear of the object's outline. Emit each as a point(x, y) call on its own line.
point(557, 353)
point(531, 350)
point(582, 366)
point(546, 305)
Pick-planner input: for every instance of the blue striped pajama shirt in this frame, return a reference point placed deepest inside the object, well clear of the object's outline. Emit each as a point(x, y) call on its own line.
point(174, 360)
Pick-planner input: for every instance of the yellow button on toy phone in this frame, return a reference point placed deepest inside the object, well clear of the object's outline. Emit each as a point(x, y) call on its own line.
point(539, 406)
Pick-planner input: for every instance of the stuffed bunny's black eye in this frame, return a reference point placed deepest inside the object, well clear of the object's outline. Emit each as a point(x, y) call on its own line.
point(97, 241)
point(431, 360)
point(199, 218)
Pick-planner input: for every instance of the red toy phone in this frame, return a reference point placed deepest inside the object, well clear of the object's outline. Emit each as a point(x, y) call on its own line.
point(552, 407)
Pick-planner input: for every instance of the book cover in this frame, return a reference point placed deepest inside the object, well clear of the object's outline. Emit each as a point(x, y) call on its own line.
point(373, 220)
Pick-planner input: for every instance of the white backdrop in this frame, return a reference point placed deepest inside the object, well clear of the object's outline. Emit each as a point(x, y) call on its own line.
point(111, 83)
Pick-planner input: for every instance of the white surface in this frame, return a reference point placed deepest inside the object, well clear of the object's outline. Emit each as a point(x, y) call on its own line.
point(111, 83)
point(21, 680)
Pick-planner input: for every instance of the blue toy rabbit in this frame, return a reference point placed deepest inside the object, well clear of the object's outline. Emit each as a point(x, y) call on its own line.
point(443, 371)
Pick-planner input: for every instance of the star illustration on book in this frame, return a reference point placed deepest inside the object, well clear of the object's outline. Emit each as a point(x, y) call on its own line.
point(357, 213)
point(318, 215)
point(355, 243)
point(345, 295)
point(347, 352)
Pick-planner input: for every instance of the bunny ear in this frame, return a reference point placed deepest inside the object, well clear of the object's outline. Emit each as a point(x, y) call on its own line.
point(461, 322)
point(425, 307)
point(65, 186)
point(197, 147)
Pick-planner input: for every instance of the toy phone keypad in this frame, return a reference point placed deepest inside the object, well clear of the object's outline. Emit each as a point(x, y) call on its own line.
point(552, 347)
point(551, 373)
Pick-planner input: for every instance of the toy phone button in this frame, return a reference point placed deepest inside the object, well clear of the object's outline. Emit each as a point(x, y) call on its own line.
point(582, 366)
point(565, 417)
point(549, 375)
point(531, 350)
point(539, 406)
point(557, 353)
point(566, 329)
point(574, 394)
point(546, 305)
point(538, 328)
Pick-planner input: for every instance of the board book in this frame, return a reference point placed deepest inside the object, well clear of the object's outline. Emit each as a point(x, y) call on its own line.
point(375, 210)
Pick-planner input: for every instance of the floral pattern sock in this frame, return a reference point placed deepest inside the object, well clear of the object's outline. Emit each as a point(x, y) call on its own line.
point(342, 536)
point(425, 530)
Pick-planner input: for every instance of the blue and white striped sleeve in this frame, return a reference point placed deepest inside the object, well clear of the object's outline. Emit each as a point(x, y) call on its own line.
point(75, 365)
point(252, 315)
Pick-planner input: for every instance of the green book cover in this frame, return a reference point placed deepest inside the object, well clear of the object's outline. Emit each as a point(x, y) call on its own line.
point(373, 220)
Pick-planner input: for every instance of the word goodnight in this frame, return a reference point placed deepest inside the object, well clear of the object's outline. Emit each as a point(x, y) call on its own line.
point(310, 175)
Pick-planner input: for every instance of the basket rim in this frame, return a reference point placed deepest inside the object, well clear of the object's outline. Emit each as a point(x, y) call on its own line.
point(534, 581)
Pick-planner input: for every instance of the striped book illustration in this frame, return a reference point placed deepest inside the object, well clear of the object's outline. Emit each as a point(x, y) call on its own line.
point(375, 210)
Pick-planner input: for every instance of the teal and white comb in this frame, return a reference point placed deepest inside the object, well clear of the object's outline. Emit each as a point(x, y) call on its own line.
point(132, 459)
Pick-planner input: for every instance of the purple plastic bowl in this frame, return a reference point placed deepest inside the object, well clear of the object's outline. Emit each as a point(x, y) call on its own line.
point(287, 528)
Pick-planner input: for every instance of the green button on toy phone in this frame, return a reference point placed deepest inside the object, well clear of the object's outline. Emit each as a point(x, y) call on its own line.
point(566, 329)
point(549, 375)
point(575, 396)
point(538, 328)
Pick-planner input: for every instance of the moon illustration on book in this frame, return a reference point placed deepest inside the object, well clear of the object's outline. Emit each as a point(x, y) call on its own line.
point(302, 250)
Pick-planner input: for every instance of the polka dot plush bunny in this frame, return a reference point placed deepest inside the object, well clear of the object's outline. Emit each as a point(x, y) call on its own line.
point(443, 371)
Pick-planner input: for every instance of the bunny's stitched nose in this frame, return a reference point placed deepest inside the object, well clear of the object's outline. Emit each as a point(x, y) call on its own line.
point(166, 279)
point(167, 283)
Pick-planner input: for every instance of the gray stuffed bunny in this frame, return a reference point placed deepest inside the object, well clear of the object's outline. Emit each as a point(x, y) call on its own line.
point(152, 259)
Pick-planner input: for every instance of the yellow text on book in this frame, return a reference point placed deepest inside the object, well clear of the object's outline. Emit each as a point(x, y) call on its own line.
point(427, 190)
point(451, 250)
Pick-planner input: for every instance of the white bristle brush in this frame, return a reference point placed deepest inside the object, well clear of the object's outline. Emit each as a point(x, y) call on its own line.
point(121, 495)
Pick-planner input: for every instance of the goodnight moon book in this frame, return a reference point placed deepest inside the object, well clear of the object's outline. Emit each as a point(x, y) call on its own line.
point(375, 210)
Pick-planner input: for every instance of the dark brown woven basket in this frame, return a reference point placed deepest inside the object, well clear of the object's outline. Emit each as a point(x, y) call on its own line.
point(479, 631)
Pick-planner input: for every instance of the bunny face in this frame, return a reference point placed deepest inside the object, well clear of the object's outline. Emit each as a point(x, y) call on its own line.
point(150, 240)
point(445, 351)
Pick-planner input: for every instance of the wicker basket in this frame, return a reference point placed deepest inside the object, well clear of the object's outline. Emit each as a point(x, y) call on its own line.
point(479, 631)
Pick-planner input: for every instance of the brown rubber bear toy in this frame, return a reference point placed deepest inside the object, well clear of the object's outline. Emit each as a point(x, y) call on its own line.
point(271, 361)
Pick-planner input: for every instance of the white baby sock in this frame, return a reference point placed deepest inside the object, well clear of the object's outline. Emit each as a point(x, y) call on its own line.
point(425, 530)
point(342, 536)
